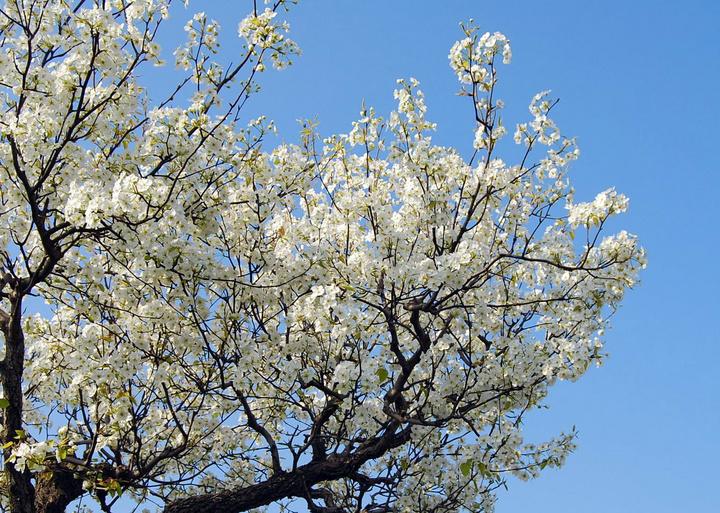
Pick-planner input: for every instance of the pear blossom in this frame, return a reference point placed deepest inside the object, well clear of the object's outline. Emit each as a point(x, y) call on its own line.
point(360, 320)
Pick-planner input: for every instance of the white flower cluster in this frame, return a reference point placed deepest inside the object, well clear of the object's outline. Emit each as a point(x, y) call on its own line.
point(607, 203)
point(263, 33)
point(473, 58)
point(30, 455)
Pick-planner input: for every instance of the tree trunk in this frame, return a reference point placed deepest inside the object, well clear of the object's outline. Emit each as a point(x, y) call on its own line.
point(55, 489)
point(21, 490)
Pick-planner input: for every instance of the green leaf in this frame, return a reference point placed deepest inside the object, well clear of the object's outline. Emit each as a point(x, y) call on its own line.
point(4, 403)
point(383, 374)
point(483, 470)
point(465, 468)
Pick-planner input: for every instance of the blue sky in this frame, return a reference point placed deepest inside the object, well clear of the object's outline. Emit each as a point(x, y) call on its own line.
point(638, 83)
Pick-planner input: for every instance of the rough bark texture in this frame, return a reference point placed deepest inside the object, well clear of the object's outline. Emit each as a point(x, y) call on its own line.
point(56, 489)
point(21, 490)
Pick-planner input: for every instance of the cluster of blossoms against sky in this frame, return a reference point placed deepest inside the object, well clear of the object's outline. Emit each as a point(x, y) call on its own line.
point(234, 303)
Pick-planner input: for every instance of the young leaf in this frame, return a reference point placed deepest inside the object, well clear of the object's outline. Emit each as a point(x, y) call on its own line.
point(382, 374)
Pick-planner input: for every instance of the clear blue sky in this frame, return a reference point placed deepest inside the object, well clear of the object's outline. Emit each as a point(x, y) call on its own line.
point(638, 82)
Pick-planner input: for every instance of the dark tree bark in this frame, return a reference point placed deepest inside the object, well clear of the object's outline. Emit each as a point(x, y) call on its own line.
point(21, 490)
point(55, 489)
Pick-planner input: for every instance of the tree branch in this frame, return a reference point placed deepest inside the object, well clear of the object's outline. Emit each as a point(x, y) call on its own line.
point(292, 484)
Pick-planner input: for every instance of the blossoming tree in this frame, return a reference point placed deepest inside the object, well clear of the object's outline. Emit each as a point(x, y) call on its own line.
point(358, 322)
